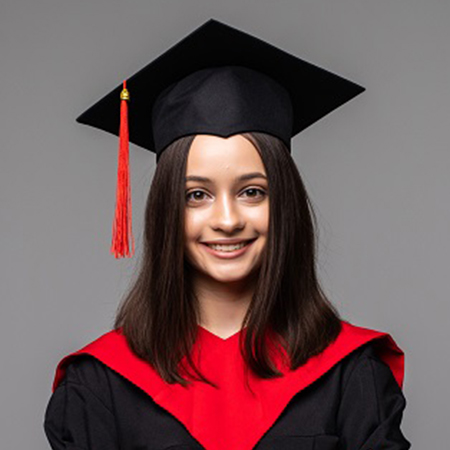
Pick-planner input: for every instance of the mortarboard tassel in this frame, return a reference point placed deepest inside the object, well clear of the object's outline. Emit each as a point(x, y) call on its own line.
point(122, 221)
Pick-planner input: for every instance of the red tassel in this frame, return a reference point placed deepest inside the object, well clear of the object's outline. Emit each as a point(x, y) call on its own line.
point(122, 230)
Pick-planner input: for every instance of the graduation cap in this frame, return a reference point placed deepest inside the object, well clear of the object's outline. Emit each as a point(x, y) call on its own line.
point(217, 80)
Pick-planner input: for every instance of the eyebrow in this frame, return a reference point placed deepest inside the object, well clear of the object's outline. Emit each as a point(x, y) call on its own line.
point(246, 176)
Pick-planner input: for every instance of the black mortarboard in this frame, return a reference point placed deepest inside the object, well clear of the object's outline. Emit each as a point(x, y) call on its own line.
point(217, 80)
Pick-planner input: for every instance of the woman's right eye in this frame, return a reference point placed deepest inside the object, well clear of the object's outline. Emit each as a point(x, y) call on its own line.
point(191, 195)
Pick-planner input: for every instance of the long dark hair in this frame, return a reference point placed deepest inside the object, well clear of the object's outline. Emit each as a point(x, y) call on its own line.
point(159, 314)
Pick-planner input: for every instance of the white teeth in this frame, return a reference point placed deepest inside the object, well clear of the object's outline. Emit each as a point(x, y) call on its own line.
point(227, 248)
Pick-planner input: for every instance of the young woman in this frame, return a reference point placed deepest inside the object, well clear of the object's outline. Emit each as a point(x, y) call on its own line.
point(225, 339)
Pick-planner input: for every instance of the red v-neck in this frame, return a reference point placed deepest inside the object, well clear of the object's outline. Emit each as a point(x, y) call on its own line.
point(213, 338)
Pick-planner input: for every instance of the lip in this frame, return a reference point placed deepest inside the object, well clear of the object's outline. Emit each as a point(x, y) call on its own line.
point(228, 241)
point(229, 255)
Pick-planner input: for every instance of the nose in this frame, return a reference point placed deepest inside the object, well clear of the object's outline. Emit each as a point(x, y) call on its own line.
point(226, 215)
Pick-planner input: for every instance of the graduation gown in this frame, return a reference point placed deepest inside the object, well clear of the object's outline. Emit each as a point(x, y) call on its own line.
point(348, 397)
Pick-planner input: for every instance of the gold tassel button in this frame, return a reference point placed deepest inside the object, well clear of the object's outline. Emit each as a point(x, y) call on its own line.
point(125, 95)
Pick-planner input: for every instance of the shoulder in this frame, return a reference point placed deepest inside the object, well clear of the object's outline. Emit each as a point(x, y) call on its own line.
point(367, 374)
point(364, 353)
point(87, 373)
point(85, 369)
point(374, 348)
point(80, 412)
point(356, 359)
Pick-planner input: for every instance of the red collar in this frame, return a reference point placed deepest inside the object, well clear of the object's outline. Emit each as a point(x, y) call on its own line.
point(232, 405)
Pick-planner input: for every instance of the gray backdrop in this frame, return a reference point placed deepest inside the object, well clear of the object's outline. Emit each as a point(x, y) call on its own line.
point(376, 169)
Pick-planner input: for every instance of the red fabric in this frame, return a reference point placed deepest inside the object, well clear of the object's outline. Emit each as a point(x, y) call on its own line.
point(122, 231)
point(206, 411)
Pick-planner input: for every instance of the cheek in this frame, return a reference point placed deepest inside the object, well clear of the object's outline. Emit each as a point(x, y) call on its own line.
point(265, 220)
point(190, 235)
point(194, 223)
point(259, 217)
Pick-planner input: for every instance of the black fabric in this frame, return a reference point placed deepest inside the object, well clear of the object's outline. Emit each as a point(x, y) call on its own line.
point(357, 405)
point(192, 88)
point(222, 101)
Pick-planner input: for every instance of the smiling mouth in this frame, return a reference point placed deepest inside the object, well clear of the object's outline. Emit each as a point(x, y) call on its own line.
point(230, 247)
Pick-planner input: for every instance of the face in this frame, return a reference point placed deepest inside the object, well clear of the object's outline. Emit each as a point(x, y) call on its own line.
point(226, 203)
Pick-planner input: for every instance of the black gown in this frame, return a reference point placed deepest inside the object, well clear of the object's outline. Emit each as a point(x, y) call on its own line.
point(357, 404)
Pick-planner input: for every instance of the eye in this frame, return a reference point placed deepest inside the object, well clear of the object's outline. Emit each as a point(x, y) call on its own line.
point(190, 195)
point(254, 191)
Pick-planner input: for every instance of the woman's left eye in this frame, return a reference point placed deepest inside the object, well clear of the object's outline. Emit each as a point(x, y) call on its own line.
point(255, 190)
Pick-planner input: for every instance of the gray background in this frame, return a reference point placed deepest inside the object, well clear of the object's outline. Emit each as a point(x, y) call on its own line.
point(376, 169)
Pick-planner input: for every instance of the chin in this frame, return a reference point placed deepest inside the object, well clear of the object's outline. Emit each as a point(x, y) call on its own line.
point(228, 276)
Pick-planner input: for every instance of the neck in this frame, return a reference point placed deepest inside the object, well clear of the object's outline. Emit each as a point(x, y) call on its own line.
point(222, 305)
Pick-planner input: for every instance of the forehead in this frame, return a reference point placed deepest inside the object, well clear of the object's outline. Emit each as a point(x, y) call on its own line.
point(211, 155)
